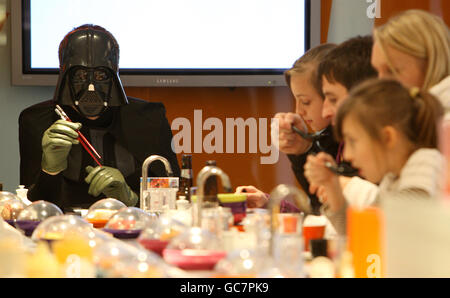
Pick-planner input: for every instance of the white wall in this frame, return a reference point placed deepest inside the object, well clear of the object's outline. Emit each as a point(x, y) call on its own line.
point(12, 101)
point(348, 18)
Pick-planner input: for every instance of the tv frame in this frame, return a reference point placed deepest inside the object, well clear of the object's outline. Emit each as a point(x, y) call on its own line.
point(178, 78)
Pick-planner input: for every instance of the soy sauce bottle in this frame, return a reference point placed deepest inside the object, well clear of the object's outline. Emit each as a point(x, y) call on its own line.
point(186, 178)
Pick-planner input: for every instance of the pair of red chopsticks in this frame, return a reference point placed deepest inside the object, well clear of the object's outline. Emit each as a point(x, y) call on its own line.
point(81, 138)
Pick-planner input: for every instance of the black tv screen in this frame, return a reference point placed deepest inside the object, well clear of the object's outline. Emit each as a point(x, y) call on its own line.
point(171, 42)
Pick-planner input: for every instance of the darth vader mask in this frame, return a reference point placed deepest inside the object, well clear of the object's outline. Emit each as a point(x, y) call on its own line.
point(89, 66)
point(90, 89)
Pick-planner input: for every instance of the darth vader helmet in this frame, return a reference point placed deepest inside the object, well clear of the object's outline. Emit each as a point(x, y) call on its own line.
point(89, 71)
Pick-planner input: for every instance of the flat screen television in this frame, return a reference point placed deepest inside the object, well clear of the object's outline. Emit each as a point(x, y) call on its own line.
point(198, 43)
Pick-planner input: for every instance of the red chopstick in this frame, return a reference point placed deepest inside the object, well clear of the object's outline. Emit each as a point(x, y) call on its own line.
point(81, 138)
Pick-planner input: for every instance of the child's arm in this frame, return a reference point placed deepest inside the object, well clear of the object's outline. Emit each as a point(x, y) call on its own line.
point(324, 183)
point(327, 186)
point(255, 197)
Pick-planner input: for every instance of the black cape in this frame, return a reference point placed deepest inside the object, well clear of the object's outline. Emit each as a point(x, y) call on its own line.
point(128, 135)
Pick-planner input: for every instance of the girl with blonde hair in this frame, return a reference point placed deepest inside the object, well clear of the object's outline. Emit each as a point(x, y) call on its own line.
point(414, 48)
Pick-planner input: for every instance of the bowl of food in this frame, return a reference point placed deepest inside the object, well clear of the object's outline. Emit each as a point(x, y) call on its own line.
point(32, 215)
point(194, 249)
point(10, 207)
point(101, 211)
point(129, 222)
point(60, 227)
point(157, 236)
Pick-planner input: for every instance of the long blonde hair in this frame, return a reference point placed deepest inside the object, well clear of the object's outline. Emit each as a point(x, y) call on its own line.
point(422, 35)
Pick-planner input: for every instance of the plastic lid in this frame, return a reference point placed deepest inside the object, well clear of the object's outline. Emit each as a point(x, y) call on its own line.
point(195, 238)
point(120, 259)
point(130, 218)
point(165, 228)
point(6, 195)
point(39, 210)
point(60, 227)
point(10, 206)
point(104, 209)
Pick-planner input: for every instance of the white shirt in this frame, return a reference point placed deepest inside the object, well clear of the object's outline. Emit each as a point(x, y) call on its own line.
point(442, 92)
point(421, 177)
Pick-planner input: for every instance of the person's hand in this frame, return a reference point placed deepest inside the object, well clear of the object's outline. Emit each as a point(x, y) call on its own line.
point(322, 182)
point(290, 142)
point(255, 197)
point(56, 144)
point(316, 172)
point(111, 183)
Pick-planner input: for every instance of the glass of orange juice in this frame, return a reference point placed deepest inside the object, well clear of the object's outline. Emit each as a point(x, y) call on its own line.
point(365, 234)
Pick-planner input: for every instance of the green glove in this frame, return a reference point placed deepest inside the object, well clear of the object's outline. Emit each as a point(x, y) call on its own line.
point(56, 144)
point(110, 182)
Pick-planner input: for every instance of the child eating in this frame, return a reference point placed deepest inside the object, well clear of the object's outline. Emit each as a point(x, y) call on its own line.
point(391, 137)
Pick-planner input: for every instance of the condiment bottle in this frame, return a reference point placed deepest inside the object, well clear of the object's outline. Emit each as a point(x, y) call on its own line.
point(186, 178)
point(22, 194)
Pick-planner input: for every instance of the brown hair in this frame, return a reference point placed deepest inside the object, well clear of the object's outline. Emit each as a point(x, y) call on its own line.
point(310, 62)
point(349, 63)
point(378, 103)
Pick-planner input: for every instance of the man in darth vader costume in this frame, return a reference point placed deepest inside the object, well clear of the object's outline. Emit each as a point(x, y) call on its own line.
point(123, 130)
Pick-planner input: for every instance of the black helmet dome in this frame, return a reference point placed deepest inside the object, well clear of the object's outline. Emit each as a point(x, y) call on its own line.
point(89, 46)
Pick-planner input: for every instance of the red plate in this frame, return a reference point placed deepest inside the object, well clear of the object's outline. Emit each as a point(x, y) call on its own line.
point(193, 259)
point(155, 245)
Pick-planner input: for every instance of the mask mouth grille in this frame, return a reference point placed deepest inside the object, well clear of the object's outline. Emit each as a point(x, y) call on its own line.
point(91, 104)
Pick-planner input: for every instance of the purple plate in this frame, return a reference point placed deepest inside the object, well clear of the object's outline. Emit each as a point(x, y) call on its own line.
point(236, 207)
point(27, 226)
point(123, 234)
point(11, 222)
